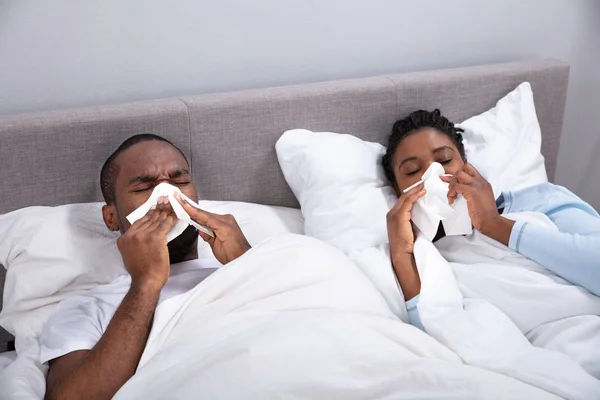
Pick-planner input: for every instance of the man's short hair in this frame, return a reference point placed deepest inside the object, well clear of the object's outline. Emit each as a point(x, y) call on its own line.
point(110, 169)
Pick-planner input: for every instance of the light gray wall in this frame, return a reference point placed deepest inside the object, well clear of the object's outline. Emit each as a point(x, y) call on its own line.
point(579, 156)
point(69, 53)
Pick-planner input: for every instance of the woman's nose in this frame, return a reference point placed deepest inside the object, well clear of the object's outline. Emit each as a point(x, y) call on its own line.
point(426, 165)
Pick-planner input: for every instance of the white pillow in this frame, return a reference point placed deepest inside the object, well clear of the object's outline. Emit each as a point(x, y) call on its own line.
point(344, 195)
point(52, 253)
point(504, 143)
point(340, 185)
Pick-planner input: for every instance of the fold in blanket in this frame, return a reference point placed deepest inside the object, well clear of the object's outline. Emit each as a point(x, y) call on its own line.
point(483, 303)
point(295, 318)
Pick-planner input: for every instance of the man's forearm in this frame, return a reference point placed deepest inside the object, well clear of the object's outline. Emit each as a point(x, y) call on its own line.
point(407, 274)
point(114, 359)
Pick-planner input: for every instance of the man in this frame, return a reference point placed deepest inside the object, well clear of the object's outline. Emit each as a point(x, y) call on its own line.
point(94, 342)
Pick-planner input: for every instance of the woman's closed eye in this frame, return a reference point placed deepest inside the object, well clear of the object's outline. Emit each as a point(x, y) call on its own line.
point(414, 170)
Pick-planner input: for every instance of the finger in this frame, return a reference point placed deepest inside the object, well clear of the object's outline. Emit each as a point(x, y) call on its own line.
point(463, 177)
point(461, 188)
point(223, 226)
point(145, 221)
point(218, 222)
point(155, 216)
point(406, 195)
point(163, 224)
point(415, 196)
point(166, 213)
point(470, 169)
point(200, 216)
point(207, 238)
point(452, 194)
point(413, 193)
point(453, 181)
point(411, 200)
point(452, 197)
point(163, 204)
point(446, 179)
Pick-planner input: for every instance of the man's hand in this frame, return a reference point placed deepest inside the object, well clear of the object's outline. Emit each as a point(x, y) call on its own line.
point(229, 242)
point(481, 203)
point(102, 371)
point(144, 247)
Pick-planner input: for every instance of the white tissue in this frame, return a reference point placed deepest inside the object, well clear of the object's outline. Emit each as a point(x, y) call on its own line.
point(164, 189)
point(433, 208)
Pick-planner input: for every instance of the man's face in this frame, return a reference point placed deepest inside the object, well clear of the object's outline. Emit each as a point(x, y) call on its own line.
point(141, 168)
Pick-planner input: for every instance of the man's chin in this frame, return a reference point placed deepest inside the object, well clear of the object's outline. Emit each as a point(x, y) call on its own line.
point(184, 247)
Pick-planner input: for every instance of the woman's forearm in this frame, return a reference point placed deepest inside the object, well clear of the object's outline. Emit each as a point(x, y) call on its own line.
point(407, 274)
point(498, 228)
point(574, 257)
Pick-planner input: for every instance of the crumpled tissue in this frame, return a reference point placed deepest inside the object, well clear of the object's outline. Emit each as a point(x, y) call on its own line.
point(433, 208)
point(165, 189)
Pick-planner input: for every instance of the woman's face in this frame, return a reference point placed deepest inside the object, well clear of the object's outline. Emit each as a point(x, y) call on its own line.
point(417, 151)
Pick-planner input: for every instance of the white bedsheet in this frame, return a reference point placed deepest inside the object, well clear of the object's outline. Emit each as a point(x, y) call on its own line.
point(24, 378)
point(7, 358)
point(295, 318)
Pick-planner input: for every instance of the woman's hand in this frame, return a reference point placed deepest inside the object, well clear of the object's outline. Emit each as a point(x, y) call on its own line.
point(481, 202)
point(400, 230)
point(402, 242)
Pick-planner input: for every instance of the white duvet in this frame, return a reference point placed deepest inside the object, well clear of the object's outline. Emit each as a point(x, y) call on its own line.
point(296, 319)
point(500, 311)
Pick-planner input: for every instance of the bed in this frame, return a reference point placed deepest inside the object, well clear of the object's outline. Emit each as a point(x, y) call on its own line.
point(53, 158)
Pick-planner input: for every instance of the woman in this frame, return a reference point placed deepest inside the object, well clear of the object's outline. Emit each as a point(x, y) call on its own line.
point(425, 137)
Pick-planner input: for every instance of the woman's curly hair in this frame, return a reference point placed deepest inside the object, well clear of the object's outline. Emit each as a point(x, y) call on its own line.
point(413, 122)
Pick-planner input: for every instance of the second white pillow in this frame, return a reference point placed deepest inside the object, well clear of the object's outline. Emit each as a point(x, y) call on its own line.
point(344, 195)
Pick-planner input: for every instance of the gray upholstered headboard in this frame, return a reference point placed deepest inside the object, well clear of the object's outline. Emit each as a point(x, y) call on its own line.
point(55, 157)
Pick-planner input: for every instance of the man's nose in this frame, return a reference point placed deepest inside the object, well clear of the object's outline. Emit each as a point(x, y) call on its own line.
point(163, 178)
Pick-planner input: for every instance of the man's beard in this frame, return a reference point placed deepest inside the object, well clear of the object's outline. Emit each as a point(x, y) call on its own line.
point(184, 246)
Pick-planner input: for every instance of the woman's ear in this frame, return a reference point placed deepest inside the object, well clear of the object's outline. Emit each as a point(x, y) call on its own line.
point(109, 214)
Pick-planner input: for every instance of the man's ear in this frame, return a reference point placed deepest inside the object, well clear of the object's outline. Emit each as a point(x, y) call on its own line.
point(109, 214)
